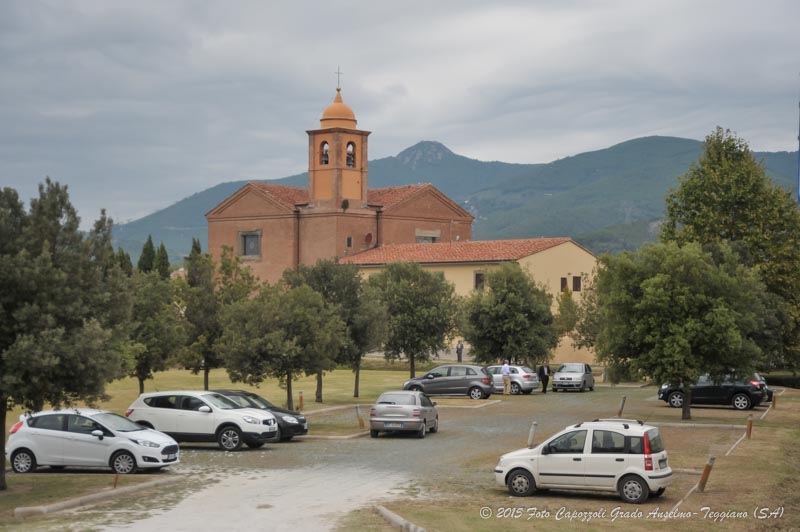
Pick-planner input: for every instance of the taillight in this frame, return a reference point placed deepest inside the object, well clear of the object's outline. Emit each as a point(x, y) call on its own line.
point(755, 383)
point(526, 376)
point(416, 412)
point(16, 427)
point(128, 412)
point(485, 380)
point(372, 412)
point(648, 459)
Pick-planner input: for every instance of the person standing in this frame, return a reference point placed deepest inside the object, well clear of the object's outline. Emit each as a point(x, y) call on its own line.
point(544, 375)
point(459, 350)
point(505, 371)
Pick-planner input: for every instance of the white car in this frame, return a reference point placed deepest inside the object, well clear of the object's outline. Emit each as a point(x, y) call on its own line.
point(87, 438)
point(616, 455)
point(192, 416)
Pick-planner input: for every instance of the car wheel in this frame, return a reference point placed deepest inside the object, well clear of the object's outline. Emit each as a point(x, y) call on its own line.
point(23, 461)
point(515, 389)
point(675, 399)
point(422, 430)
point(583, 386)
point(373, 434)
point(520, 483)
point(741, 402)
point(278, 435)
point(123, 463)
point(658, 493)
point(256, 444)
point(435, 427)
point(230, 438)
point(633, 489)
point(475, 393)
point(416, 388)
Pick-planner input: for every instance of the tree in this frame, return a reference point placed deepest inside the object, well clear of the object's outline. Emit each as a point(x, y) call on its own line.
point(63, 305)
point(421, 310)
point(205, 294)
point(161, 262)
point(675, 312)
point(148, 257)
point(124, 261)
point(510, 318)
point(566, 318)
point(157, 329)
point(359, 307)
point(282, 332)
point(727, 196)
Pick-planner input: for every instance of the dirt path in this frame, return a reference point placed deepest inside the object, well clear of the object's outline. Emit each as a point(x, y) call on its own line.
point(308, 499)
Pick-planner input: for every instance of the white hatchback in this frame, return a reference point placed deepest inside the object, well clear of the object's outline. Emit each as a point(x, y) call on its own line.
point(87, 438)
point(616, 455)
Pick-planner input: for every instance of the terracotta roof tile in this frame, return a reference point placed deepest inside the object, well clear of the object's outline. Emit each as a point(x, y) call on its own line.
point(289, 196)
point(391, 195)
point(465, 251)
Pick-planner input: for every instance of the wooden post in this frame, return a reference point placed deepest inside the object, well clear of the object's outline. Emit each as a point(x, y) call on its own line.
point(116, 479)
point(621, 406)
point(774, 401)
point(749, 426)
point(701, 486)
point(301, 402)
point(530, 434)
point(361, 423)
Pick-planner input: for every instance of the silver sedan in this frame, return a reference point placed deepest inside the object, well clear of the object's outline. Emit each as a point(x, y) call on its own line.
point(403, 411)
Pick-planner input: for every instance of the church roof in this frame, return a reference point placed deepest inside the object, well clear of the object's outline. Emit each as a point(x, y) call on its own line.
point(453, 252)
point(385, 197)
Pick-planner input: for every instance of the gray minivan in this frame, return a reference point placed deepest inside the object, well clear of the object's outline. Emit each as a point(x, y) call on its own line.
point(455, 379)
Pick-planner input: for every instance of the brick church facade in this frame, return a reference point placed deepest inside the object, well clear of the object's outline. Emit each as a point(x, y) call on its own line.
point(273, 228)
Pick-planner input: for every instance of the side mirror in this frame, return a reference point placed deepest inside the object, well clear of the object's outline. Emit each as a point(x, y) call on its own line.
point(204, 409)
point(98, 434)
point(435, 403)
point(430, 376)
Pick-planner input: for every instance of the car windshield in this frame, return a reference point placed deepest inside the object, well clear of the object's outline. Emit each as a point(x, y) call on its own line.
point(656, 445)
point(220, 401)
point(397, 399)
point(570, 368)
point(260, 401)
point(117, 422)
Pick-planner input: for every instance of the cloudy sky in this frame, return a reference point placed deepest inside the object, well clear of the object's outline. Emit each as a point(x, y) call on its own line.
point(135, 105)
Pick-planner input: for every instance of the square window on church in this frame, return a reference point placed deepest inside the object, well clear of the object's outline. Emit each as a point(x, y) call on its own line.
point(576, 284)
point(349, 242)
point(563, 283)
point(250, 244)
point(480, 280)
point(426, 239)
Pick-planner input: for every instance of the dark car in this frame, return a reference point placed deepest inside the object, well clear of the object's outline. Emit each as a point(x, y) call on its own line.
point(455, 379)
point(741, 394)
point(290, 423)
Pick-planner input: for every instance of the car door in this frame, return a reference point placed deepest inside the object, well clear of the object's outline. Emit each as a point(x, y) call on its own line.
point(48, 433)
point(426, 410)
point(436, 380)
point(497, 377)
point(607, 457)
point(81, 447)
point(192, 421)
point(561, 462)
point(589, 377)
point(703, 391)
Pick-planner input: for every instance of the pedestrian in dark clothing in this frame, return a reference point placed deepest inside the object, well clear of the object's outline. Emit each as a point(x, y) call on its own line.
point(544, 375)
point(459, 350)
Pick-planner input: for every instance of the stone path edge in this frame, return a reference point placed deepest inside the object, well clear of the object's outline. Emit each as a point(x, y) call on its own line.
point(397, 521)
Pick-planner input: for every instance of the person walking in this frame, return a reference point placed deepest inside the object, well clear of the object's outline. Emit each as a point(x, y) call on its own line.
point(505, 371)
point(459, 350)
point(544, 375)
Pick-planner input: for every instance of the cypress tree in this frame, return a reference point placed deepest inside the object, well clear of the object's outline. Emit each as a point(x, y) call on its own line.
point(148, 256)
point(161, 264)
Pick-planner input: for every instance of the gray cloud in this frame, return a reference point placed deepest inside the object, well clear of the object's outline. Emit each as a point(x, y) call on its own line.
point(135, 106)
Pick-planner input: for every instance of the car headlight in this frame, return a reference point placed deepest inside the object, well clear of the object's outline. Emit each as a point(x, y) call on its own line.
point(290, 419)
point(145, 443)
point(664, 386)
point(250, 419)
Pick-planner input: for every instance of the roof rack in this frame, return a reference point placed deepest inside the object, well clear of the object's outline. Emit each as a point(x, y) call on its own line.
point(625, 422)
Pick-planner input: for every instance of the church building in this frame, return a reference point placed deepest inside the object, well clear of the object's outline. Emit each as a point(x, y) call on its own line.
point(273, 228)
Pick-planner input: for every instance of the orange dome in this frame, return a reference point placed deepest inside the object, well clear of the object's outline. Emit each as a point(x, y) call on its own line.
point(338, 114)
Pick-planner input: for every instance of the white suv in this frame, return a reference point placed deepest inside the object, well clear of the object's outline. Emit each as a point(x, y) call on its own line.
point(192, 416)
point(617, 455)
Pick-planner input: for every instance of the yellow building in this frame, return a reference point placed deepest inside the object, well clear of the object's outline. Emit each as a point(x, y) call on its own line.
point(555, 263)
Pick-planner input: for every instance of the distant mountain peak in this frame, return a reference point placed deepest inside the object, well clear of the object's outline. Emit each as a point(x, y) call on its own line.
point(426, 151)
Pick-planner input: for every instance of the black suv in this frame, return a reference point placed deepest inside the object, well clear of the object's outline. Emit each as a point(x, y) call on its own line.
point(741, 394)
point(290, 424)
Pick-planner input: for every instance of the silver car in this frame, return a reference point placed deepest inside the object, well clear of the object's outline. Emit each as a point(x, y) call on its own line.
point(403, 411)
point(523, 379)
point(573, 376)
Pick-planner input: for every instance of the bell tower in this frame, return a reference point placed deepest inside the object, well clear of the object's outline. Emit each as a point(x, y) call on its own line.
point(337, 159)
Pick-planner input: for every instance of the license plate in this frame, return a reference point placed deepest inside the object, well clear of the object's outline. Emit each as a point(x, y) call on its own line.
point(171, 456)
point(662, 463)
point(393, 425)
